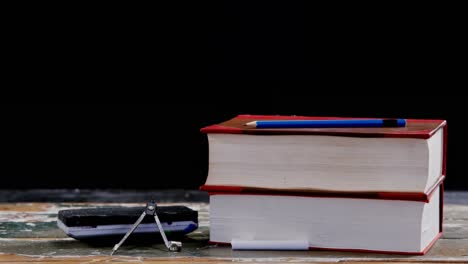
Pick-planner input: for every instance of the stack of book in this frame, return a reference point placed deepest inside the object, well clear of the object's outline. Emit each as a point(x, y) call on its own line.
point(376, 189)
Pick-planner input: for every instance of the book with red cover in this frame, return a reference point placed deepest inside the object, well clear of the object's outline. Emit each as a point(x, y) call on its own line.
point(417, 132)
point(415, 128)
point(229, 191)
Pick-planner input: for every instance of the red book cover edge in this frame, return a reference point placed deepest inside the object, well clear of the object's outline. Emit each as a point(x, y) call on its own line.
point(423, 134)
point(404, 196)
point(428, 247)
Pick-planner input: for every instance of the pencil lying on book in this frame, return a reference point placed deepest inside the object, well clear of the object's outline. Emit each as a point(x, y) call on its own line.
point(330, 123)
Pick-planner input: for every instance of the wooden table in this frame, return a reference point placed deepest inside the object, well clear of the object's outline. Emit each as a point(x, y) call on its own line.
point(28, 234)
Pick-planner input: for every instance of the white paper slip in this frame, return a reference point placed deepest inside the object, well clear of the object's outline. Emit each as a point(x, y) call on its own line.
point(269, 244)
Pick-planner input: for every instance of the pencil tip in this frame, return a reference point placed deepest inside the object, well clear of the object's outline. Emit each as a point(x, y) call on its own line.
point(251, 124)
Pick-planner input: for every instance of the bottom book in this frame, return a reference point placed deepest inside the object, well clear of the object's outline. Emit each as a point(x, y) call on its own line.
point(263, 221)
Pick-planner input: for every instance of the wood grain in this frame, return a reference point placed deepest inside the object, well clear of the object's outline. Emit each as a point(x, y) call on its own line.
point(73, 260)
point(28, 234)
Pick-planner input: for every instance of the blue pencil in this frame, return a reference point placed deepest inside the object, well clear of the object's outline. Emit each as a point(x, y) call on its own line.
point(349, 123)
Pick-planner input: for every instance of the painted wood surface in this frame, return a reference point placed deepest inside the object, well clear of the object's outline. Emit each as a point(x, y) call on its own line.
point(29, 234)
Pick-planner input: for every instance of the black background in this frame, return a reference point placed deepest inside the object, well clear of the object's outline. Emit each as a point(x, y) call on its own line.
point(203, 63)
point(160, 146)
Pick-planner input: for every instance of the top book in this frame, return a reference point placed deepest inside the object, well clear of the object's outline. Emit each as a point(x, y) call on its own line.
point(381, 160)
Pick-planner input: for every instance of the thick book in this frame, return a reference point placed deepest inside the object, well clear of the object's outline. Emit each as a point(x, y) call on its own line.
point(275, 220)
point(394, 162)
